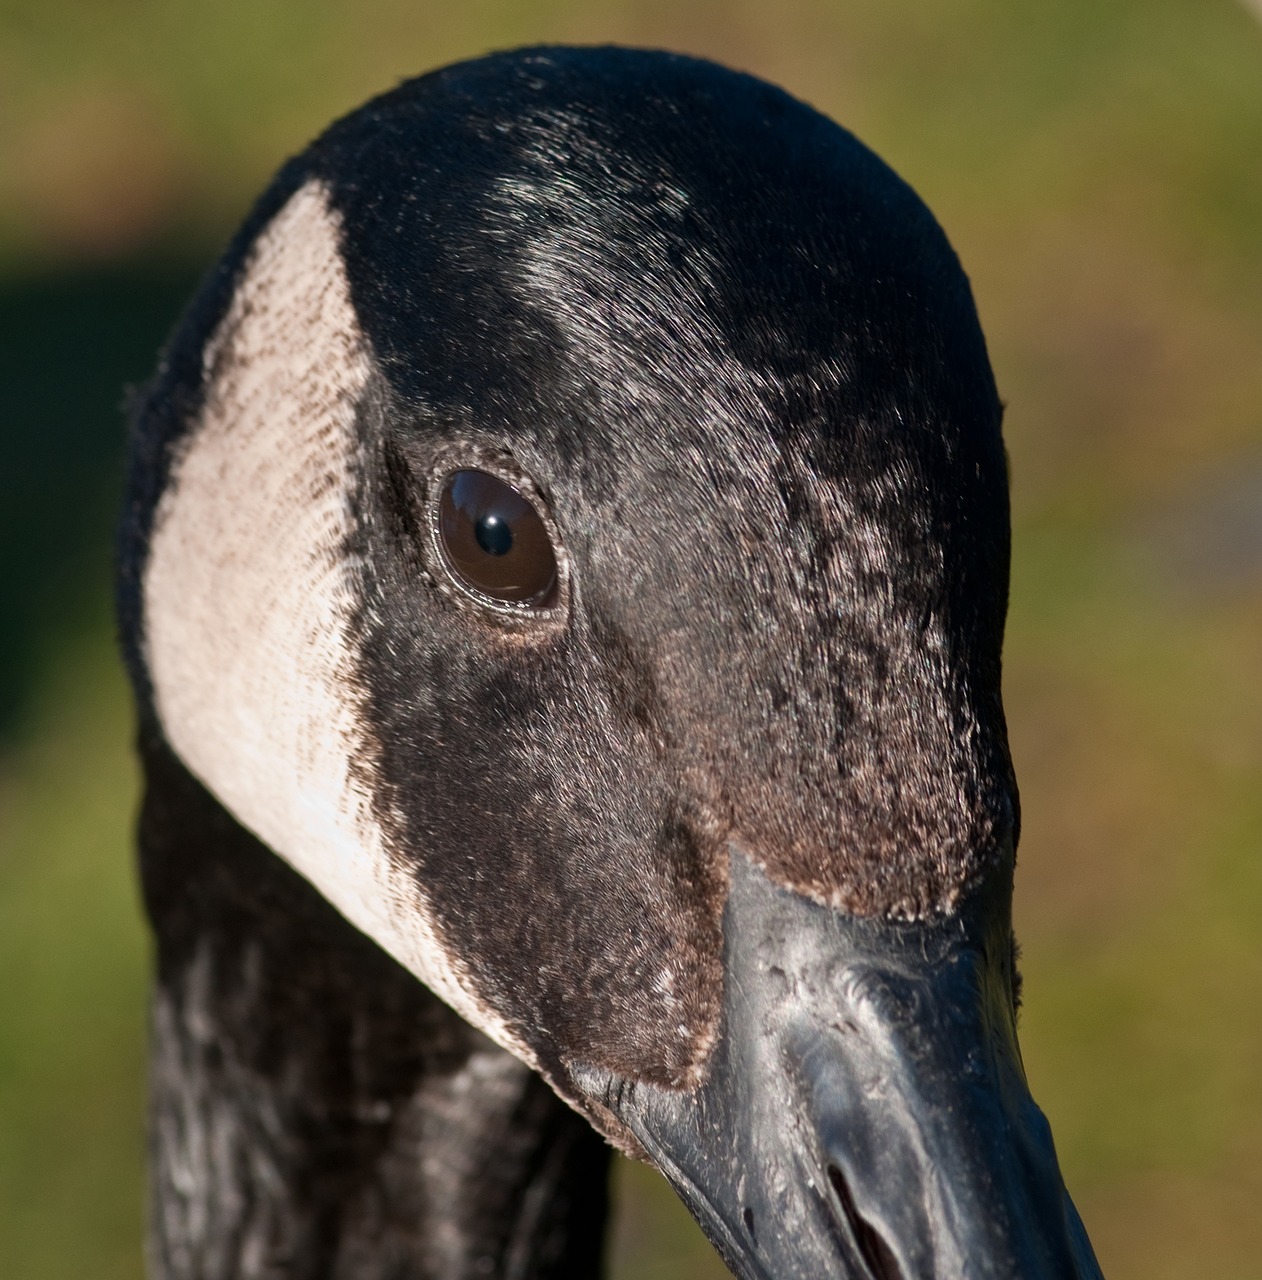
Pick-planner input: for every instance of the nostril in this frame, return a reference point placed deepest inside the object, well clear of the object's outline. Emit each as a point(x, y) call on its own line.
point(875, 1253)
point(748, 1217)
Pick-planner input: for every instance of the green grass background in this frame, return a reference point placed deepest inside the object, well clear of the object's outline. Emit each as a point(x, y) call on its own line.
point(1097, 163)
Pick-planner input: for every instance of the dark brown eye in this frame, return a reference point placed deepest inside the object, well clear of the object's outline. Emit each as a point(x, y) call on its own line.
point(494, 540)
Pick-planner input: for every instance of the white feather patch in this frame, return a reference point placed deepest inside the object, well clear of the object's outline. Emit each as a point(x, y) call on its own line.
point(249, 592)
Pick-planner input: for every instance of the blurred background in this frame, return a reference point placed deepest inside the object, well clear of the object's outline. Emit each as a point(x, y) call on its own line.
point(1099, 168)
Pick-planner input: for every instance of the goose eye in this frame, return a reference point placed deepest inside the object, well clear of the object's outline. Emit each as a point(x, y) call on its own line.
point(494, 540)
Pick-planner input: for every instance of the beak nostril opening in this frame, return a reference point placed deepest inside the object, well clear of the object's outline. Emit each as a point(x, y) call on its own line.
point(748, 1218)
point(876, 1254)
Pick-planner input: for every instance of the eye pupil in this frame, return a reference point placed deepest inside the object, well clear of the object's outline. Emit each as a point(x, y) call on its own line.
point(493, 535)
point(493, 541)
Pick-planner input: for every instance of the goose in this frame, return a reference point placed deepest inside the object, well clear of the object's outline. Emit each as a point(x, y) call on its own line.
point(563, 572)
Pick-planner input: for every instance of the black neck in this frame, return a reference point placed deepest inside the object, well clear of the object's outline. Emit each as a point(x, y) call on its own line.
point(314, 1110)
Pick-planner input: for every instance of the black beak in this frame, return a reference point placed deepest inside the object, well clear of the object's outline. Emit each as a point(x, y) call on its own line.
point(866, 1112)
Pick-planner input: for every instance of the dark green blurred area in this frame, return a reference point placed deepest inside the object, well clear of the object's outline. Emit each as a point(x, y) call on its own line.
point(1099, 168)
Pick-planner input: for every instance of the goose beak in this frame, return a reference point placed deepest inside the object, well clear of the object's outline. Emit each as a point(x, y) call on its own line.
point(865, 1113)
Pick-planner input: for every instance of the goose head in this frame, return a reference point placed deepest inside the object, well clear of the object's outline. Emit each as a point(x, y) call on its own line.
point(570, 528)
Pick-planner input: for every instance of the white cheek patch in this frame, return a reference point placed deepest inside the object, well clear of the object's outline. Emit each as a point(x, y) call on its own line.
point(250, 590)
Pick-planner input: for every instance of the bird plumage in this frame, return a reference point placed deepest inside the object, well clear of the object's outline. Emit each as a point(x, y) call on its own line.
point(729, 361)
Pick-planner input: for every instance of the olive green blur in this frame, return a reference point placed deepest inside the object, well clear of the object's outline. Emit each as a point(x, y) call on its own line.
point(1099, 168)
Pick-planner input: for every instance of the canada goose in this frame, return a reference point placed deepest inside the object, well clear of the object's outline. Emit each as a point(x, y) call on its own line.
point(570, 528)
